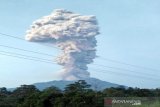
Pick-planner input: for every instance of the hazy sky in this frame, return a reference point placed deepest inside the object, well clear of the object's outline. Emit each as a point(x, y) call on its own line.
point(129, 33)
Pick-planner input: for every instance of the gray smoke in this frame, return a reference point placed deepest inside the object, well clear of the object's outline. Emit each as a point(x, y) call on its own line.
point(74, 34)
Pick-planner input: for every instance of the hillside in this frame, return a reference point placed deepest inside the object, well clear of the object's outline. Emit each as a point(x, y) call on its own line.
point(96, 84)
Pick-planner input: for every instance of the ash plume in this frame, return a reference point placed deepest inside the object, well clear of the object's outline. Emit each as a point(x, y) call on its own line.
point(74, 34)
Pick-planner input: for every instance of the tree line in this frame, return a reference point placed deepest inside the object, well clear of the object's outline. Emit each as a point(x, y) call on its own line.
point(78, 94)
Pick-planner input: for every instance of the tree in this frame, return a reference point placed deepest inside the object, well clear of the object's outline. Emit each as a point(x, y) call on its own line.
point(50, 97)
point(78, 86)
point(79, 94)
point(22, 92)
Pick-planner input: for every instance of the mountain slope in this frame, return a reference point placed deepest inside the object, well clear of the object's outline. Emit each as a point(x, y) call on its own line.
point(96, 84)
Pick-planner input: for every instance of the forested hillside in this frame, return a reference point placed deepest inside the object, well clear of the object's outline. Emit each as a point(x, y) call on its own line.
point(78, 94)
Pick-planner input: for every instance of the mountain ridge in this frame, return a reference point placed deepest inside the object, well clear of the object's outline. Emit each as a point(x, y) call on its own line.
point(95, 83)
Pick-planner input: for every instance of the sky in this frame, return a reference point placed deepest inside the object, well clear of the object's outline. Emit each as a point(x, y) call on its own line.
point(129, 33)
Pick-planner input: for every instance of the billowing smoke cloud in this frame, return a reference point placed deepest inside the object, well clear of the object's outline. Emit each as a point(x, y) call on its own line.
point(74, 34)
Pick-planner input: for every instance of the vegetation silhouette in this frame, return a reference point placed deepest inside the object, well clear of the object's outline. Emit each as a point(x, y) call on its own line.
point(78, 94)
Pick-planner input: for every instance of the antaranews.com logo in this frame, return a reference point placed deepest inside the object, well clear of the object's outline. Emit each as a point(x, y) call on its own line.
point(129, 101)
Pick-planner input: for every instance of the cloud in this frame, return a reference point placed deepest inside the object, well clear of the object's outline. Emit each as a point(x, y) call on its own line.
point(74, 34)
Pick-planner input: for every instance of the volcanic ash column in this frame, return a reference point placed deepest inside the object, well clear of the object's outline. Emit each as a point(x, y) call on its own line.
point(74, 34)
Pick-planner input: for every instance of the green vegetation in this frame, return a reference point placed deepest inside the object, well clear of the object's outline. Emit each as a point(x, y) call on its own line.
point(78, 94)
